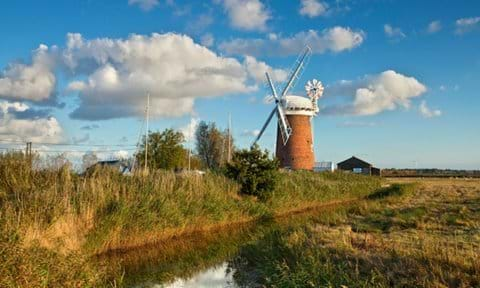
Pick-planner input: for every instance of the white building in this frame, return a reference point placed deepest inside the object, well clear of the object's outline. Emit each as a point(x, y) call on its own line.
point(324, 166)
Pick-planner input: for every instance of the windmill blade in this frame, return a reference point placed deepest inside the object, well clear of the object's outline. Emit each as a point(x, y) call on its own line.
point(265, 126)
point(272, 87)
point(295, 73)
point(285, 129)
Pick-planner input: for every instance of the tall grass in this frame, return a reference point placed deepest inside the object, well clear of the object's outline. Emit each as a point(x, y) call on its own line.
point(64, 213)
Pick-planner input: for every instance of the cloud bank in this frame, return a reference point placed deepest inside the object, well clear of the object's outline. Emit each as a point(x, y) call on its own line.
point(33, 82)
point(336, 39)
point(374, 94)
point(111, 77)
point(171, 67)
point(35, 129)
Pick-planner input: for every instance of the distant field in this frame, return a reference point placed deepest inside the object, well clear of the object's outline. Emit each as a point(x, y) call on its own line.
point(431, 173)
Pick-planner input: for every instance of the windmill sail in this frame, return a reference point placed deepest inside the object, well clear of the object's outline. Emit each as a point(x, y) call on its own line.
point(265, 125)
point(295, 73)
point(284, 126)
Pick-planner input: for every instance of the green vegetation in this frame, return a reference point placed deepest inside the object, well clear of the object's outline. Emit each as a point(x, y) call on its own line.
point(66, 217)
point(164, 149)
point(393, 190)
point(253, 169)
point(212, 145)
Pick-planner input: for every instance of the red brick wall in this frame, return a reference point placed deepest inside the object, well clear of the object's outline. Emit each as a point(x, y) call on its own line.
point(298, 153)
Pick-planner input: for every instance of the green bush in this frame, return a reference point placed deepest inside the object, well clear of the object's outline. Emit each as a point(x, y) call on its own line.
point(255, 171)
point(394, 190)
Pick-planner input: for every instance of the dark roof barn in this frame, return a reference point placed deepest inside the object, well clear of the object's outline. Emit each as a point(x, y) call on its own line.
point(359, 166)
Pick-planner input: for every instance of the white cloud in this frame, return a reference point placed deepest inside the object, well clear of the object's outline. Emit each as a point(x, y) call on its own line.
point(34, 82)
point(465, 25)
point(188, 130)
point(250, 133)
point(36, 130)
point(145, 5)
point(173, 68)
point(426, 112)
point(434, 27)
point(76, 86)
point(313, 8)
point(393, 32)
point(256, 70)
point(374, 94)
point(112, 76)
point(247, 14)
point(119, 154)
point(335, 39)
point(6, 107)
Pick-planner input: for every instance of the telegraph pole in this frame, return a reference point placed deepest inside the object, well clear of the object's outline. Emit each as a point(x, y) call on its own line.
point(28, 153)
point(28, 149)
point(229, 155)
point(146, 132)
point(190, 144)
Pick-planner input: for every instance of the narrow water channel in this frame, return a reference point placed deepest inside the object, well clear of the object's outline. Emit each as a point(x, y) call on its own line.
point(208, 259)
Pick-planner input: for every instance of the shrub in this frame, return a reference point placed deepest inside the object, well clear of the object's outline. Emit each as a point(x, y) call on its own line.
point(394, 190)
point(254, 170)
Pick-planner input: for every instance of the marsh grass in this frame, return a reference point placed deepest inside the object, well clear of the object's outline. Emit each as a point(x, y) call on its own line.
point(70, 216)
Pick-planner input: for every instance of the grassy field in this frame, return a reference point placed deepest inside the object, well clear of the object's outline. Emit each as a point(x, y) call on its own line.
point(53, 221)
point(409, 235)
point(54, 224)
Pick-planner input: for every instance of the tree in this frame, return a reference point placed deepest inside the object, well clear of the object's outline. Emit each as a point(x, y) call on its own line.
point(212, 145)
point(165, 150)
point(254, 170)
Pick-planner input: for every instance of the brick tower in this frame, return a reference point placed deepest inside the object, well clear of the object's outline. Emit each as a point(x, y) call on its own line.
point(297, 153)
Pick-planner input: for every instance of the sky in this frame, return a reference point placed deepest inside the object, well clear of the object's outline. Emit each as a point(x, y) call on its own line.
point(400, 76)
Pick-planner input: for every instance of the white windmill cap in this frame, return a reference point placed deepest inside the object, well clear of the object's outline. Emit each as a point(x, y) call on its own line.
point(298, 105)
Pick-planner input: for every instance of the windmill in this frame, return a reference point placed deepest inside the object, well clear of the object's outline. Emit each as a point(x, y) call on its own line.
point(294, 146)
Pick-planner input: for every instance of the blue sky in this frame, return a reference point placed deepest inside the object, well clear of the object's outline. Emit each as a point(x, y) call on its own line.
point(399, 75)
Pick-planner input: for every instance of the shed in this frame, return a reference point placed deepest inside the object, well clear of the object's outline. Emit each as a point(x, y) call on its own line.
point(323, 166)
point(356, 165)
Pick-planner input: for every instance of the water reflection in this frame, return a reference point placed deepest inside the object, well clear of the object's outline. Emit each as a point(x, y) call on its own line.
point(206, 259)
point(198, 258)
point(215, 277)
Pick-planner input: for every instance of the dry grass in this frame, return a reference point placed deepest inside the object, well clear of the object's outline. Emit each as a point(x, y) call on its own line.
point(427, 238)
